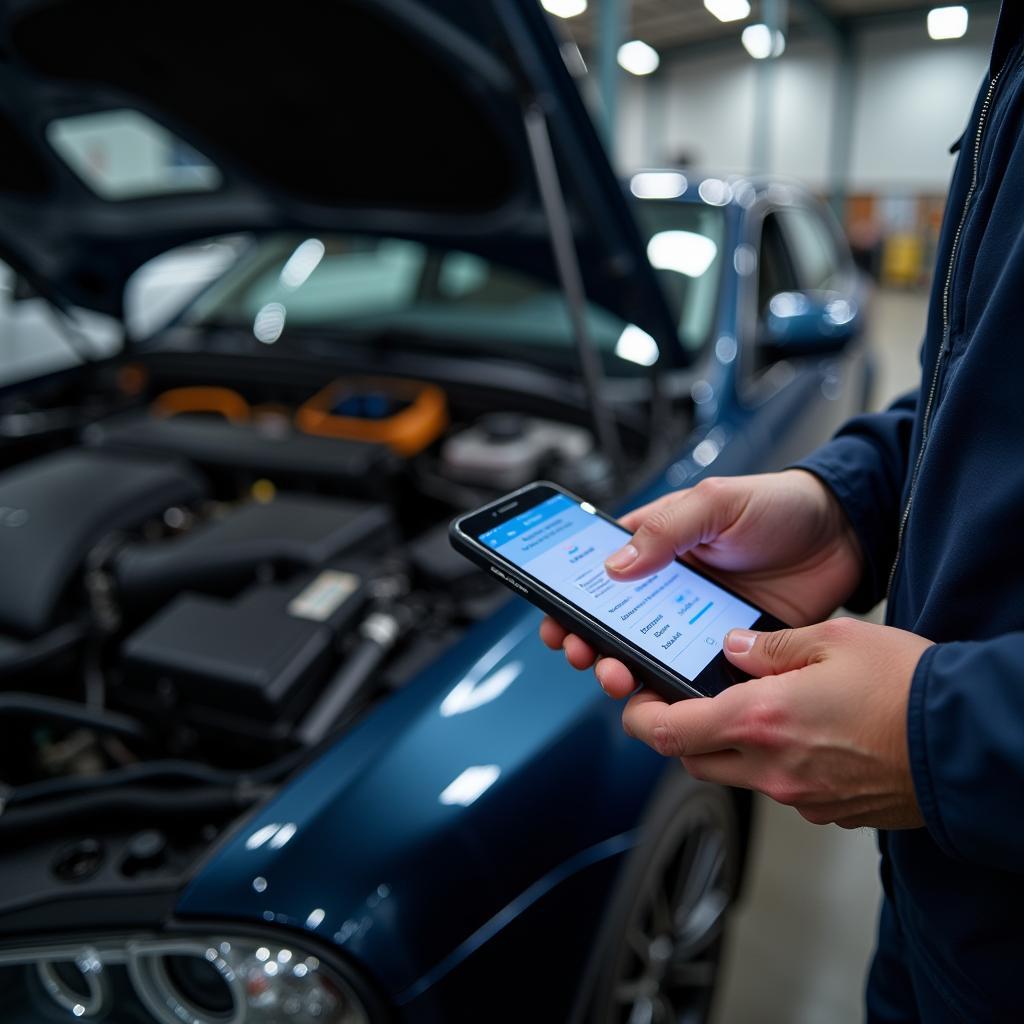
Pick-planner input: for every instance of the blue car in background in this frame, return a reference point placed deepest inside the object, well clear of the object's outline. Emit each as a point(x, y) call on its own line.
point(270, 751)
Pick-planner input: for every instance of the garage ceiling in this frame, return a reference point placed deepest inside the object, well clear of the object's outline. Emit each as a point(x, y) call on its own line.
point(667, 24)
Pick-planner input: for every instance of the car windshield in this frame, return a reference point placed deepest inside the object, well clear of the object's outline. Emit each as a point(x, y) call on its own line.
point(363, 288)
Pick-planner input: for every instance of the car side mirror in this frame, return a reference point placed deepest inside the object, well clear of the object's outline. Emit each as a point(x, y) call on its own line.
point(800, 324)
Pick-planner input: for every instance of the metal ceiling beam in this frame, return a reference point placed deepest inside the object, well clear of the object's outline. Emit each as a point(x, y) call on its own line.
point(613, 19)
point(774, 13)
point(819, 18)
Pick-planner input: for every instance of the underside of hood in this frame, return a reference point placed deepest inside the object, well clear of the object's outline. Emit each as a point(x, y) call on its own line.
point(398, 117)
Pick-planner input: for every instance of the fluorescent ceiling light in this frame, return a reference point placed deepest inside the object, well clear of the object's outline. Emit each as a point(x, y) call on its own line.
point(728, 10)
point(564, 8)
point(658, 184)
point(761, 42)
point(638, 58)
point(947, 22)
point(685, 252)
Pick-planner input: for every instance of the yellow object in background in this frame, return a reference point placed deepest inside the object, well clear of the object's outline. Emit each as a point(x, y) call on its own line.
point(263, 491)
point(902, 260)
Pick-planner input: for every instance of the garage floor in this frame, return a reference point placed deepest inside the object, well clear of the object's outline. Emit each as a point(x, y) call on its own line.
point(801, 942)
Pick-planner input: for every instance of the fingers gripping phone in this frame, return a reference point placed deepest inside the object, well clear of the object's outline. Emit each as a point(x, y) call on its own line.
point(549, 546)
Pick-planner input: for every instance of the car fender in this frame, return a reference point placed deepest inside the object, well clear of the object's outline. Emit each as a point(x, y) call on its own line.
point(443, 810)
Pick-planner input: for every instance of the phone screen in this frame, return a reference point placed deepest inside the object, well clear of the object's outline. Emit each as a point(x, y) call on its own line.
point(673, 615)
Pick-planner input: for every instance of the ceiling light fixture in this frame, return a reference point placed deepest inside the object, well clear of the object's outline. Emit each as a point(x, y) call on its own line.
point(947, 22)
point(728, 10)
point(761, 42)
point(638, 58)
point(564, 8)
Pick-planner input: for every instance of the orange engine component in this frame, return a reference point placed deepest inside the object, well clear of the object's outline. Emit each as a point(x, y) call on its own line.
point(421, 420)
point(222, 401)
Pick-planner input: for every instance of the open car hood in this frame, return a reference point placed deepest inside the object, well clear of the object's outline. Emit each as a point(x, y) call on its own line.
point(397, 117)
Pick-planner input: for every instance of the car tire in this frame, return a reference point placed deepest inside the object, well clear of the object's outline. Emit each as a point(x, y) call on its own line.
point(657, 957)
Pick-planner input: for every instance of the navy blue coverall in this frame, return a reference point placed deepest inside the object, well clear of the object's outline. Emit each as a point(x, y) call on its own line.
point(934, 488)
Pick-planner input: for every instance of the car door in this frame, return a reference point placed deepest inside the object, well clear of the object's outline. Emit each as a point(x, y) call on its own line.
point(794, 400)
point(825, 266)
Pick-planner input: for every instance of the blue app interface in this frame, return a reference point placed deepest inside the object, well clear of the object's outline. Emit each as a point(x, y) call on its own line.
point(674, 615)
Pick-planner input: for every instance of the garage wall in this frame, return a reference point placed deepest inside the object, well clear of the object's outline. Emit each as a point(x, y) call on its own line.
point(905, 81)
point(706, 105)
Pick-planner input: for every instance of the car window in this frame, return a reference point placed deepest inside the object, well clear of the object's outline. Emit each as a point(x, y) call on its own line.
point(362, 290)
point(814, 249)
point(685, 244)
point(164, 285)
point(368, 290)
point(35, 339)
point(776, 272)
point(122, 154)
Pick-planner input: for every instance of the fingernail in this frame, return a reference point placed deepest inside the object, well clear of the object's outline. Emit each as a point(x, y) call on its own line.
point(623, 558)
point(739, 641)
point(597, 676)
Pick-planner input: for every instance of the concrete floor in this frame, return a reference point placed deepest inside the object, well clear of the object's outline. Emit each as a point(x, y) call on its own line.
point(801, 941)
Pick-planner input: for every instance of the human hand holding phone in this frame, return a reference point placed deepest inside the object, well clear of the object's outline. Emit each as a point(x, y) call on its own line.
point(549, 546)
point(781, 539)
point(821, 725)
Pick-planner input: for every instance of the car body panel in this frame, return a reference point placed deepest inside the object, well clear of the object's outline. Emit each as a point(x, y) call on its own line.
point(368, 827)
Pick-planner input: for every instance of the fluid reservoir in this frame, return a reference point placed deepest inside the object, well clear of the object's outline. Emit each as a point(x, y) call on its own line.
point(506, 450)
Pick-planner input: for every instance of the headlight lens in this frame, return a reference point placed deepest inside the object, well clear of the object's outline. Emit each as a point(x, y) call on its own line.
point(201, 980)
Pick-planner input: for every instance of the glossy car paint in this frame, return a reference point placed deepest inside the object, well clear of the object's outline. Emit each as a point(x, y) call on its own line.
point(497, 791)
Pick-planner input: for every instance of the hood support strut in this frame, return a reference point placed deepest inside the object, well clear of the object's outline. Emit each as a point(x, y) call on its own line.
point(563, 249)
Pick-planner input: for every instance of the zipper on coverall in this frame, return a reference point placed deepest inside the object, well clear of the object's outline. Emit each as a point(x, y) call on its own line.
point(946, 329)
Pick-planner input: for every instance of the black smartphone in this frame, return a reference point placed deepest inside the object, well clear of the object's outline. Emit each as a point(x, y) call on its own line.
point(550, 545)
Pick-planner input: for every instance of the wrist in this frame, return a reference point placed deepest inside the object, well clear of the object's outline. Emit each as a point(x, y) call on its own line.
point(835, 526)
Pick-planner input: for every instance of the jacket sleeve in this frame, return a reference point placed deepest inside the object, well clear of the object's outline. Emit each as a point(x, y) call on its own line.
point(964, 728)
point(865, 465)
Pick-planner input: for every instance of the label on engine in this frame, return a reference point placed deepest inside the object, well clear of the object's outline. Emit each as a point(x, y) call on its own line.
point(324, 596)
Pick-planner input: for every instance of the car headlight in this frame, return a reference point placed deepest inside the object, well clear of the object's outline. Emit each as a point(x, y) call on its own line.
point(194, 980)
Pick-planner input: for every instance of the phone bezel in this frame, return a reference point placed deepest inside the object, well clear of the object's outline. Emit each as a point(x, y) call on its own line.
point(466, 531)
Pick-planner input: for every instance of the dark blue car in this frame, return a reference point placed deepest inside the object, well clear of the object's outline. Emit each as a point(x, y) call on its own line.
point(270, 750)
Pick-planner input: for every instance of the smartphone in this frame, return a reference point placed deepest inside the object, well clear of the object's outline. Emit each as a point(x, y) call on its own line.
point(549, 546)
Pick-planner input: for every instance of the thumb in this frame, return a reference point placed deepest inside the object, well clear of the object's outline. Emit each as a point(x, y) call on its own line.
point(672, 527)
point(771, 654)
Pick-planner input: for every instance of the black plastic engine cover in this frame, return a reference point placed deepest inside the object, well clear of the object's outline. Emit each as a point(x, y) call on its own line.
point(292, 531)
point(293, 459)
point(55, 509)
point(256, 657)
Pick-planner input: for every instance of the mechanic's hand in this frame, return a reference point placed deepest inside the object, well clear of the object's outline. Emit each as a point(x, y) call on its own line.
point(822, 726)
point(780, 539)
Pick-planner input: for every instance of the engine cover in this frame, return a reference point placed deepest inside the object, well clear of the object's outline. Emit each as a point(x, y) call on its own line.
point(55, 509)
point(292, 459)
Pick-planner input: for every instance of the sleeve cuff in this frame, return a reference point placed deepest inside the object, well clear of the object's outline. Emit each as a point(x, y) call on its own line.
point(838, 466)
point(917, 744)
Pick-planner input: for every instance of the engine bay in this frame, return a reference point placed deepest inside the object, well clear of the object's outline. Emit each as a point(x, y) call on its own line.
point(203, 582)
